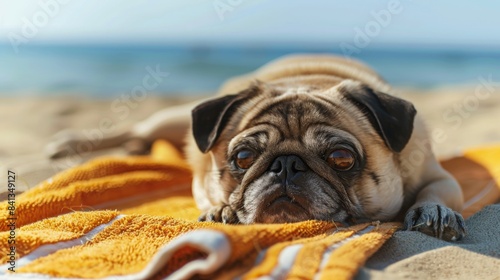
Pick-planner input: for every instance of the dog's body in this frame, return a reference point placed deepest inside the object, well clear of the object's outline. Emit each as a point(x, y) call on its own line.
point(314, 138)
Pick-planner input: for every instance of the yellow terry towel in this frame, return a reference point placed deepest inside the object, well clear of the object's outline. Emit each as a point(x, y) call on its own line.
point(134, 218)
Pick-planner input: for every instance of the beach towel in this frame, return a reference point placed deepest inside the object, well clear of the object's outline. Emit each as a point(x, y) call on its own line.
point(134, 218)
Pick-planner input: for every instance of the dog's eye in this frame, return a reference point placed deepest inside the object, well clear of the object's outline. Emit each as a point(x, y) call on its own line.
point(341, 159)
point(245, 159)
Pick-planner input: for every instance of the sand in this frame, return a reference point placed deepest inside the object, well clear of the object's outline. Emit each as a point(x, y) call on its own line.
point(413, 255)
point(28, 124)
point(458, 117)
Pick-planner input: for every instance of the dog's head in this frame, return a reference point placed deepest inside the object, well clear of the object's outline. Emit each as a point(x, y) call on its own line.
point(285, 154)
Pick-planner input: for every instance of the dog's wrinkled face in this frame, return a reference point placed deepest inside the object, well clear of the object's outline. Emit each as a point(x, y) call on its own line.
point(294, 162)
point(285, 156)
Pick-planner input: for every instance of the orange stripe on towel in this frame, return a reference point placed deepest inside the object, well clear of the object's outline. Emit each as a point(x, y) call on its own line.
point(50, 231)
point(345, 261)
point(85, 194)
point(309, 258)
point(99, 181)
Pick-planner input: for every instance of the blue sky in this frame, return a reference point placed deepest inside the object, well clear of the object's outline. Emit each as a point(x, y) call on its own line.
point(433, 23)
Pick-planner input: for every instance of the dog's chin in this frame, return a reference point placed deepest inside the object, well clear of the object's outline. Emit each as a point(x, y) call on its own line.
point(282, 210)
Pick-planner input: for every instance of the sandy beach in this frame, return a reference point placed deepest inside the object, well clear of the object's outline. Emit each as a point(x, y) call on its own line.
point(458, 117)
point(30, 123)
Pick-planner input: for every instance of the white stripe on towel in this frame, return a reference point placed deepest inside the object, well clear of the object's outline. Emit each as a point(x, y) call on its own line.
point(214, 243)
point(491, 185)
point(48, 249)
point(285, 262)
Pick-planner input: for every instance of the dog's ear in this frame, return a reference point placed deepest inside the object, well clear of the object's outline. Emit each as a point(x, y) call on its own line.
point(210, 117)
point(392, 117)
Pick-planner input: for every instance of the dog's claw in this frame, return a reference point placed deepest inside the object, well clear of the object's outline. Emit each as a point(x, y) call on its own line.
point(229, 216)
point(461, 223)
point(427, 219)
point(436, 220)
point(446, 220)
point(224, 214)
point(211, 217)
point(410, 220)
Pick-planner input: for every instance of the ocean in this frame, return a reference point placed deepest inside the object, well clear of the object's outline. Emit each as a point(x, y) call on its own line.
point(110, 70)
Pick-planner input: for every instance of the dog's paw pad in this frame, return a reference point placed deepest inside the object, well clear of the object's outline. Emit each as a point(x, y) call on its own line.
point(436, 220)
point(224, 214)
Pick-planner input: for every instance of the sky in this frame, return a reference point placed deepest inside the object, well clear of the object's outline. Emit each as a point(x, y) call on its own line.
point(389, 22)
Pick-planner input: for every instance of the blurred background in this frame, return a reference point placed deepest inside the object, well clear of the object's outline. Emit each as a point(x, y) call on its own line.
point(101, 48)
point(64, 62)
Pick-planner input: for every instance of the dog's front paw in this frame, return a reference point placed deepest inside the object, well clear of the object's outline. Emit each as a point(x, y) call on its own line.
point(224, 214)
point(436, 220)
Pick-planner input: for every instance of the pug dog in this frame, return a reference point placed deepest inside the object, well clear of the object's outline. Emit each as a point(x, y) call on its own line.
point(318, 137)
point(306, 137)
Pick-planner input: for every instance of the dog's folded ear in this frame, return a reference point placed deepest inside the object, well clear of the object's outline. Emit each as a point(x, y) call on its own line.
point(211, 117)
point(391, 116)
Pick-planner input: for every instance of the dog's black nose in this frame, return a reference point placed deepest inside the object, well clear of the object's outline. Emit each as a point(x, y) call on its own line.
point(286, 167)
